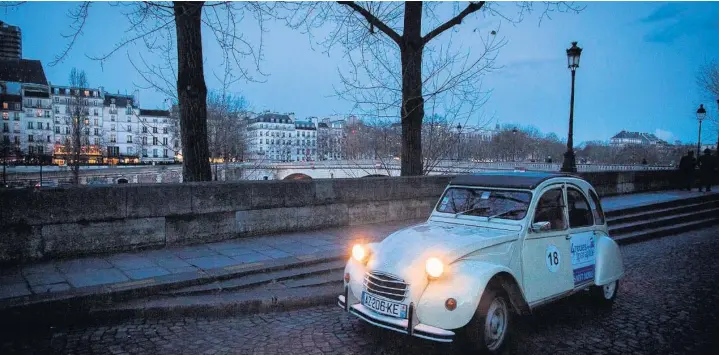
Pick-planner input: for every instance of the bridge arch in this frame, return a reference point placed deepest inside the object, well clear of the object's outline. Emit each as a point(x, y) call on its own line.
point(298, 176)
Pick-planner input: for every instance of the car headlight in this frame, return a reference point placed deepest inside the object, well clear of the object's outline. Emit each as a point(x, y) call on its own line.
point(360, 253)
point(434, 267)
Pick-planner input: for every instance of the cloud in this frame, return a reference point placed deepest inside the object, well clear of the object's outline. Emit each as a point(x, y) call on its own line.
point(671, 21)
point(664, 12)
point(664, 135)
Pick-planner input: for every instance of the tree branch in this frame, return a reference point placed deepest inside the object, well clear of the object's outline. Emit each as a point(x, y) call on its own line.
point(471, 8)
point(373, 20)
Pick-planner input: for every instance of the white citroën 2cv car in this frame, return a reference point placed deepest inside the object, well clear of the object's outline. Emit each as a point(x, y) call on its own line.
point(495, 244)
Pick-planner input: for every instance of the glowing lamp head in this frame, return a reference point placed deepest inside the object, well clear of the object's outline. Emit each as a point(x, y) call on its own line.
point(434, 267)
point(360, 253)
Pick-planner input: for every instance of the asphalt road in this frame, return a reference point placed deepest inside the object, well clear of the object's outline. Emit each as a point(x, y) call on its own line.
point(667, 304)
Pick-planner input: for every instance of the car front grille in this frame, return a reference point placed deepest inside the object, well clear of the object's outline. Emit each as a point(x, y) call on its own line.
point(385, 285)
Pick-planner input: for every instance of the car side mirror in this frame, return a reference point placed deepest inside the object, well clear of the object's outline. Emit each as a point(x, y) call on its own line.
point(541, 226)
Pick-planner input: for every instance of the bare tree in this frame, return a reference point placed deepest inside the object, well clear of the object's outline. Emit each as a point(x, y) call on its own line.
point(226, 126)
point(708, 81)
point(399, 70)
point(77, 145)
point(174, 30)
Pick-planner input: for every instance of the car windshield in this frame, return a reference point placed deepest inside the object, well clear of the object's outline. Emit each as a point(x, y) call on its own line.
point(504, 204)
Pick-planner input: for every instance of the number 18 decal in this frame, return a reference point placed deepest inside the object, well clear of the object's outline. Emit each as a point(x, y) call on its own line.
point(553, 258)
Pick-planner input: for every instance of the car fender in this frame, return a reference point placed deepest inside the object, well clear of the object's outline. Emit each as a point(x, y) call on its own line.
point(609, 263)
point(465, 281)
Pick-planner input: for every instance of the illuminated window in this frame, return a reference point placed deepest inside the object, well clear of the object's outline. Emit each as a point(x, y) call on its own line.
point(4, 105)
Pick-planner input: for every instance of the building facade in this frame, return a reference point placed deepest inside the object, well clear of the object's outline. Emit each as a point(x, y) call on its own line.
point(121, 127)
point(81, 110)
point(10, 42)
point(155, 141)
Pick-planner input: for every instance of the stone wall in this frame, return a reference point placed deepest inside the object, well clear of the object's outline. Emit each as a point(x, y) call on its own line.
point(50, 223)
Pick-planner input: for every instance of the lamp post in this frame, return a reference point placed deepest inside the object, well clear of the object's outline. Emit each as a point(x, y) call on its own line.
point(514, 144)
point(459, 137)
point(701, 114)
point(569, 164)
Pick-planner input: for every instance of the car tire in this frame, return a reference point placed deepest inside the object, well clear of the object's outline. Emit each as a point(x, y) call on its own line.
point(606, 294)
point(488, 331)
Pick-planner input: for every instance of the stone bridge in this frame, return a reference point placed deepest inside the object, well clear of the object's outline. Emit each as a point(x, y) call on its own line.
point(103, 175)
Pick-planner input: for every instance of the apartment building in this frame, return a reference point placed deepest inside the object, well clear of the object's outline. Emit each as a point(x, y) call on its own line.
point(121, 125)
point(156, 140)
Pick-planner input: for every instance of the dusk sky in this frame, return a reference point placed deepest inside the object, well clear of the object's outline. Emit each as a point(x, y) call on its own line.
point(638, 68)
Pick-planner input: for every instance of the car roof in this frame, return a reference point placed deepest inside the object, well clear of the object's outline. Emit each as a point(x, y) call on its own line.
point(514, 179)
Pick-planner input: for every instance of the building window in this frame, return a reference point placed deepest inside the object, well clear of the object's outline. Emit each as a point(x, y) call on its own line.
point(95, 112)
point(67, 130)
point(30, 138)
point(5, 116)
point(130, 151)
point(129, 139)
point(129, 118)
point(95, 122)
point(164, 140)
point(129, 129)
point(96, 141)
point(47, 126)
point(48, 139)
point(112, 118)
point(144, 140)
point(29, 125)
point(154, 140)
point(57, 129)
point(164, 130)
point(154, 153)
point(97, 131)
point(144, 129)
point(154, 129)
point(31, 149)
point(144, 153)
point(113, 138)
point(4, 105)
point(164, 153)
point(87, 93)
point(112, 127)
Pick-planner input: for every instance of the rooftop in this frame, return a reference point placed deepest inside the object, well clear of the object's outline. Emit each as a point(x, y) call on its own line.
point(515, 180)
point(272, 118)
point(157, 113)
point(120, 100)
point(24, 71)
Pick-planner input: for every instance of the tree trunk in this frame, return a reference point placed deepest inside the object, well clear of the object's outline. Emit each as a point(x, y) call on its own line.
point(412, 100)
point(192, 92)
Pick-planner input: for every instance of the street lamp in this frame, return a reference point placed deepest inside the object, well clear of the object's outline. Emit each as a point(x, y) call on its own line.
point(569, 164)
point(459, 137)
point(514, 144)
point(701, 114)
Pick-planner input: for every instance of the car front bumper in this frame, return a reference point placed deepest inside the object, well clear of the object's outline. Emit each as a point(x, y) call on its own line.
point(398, 325)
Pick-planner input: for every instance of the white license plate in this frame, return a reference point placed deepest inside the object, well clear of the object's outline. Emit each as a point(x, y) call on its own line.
point(384, 307)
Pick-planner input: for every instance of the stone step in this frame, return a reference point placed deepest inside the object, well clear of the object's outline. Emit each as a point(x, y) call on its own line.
point(661, 205)
point(652, 223)
point(245, 281)
point(315, 290)
point(646, 234)
point(656, 213)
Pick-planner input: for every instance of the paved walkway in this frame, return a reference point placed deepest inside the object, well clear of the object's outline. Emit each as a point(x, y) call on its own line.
point(58, 276)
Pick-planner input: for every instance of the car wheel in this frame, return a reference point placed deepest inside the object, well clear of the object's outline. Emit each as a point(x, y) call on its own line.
point(488, 330)
point(606, 294)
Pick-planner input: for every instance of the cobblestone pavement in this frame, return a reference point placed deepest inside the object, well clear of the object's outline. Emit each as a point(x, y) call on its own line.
point(667, 304)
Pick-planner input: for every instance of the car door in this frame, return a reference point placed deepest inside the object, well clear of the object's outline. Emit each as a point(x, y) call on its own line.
point(582, 237)
point(546, 257)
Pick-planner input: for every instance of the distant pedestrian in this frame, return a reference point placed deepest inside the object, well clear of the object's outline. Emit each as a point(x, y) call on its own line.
point(707, 165)
point(686, 169)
